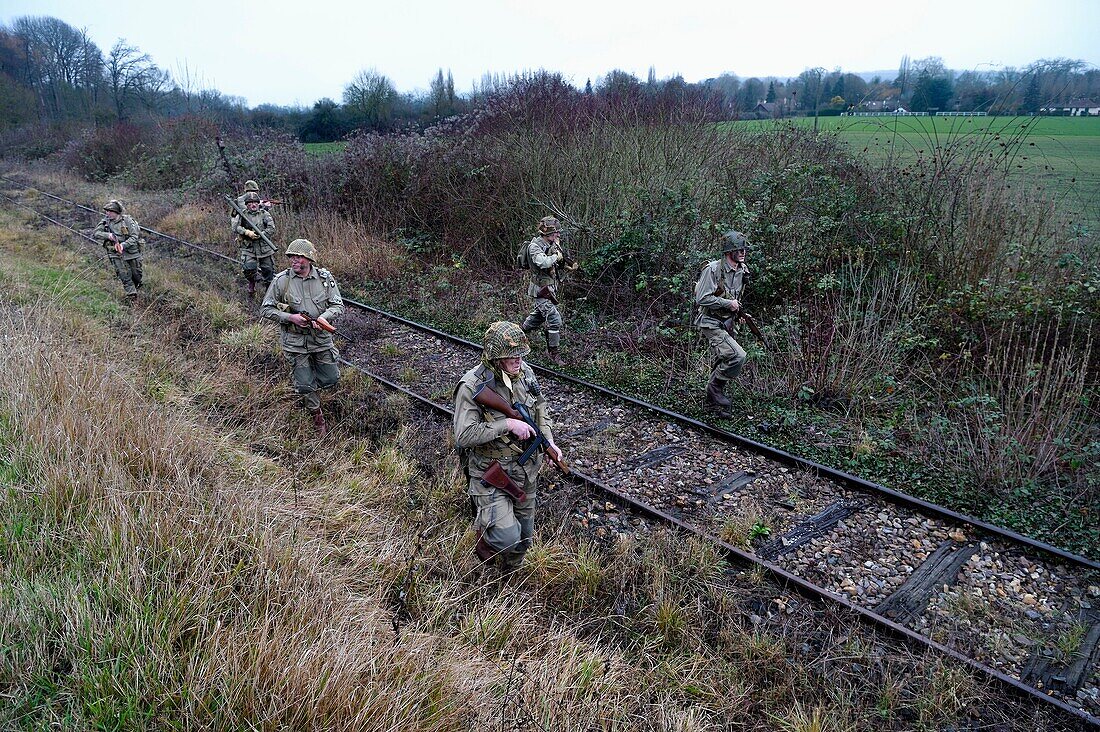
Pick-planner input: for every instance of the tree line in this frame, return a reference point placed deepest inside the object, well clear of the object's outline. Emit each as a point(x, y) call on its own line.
point(52, 72)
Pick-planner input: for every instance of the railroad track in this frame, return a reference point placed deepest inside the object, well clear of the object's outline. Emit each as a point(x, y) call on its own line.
point(1020, 611)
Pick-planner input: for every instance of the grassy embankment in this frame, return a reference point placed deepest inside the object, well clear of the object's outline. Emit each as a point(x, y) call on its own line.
point(176, 552)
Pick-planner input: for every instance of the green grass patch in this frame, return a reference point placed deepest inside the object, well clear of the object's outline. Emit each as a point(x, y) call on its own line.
point(1058, 156)
point(324, 148)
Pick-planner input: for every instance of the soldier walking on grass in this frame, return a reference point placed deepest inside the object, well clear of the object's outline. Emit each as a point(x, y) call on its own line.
point(488, 442)
point(718, 298)
point(121, 239)
point(255, 252)
point(304, 300)
point(544, 258)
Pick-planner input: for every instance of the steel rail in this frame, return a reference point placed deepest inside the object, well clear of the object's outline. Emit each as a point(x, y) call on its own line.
point(779, 575)
point(852, 481)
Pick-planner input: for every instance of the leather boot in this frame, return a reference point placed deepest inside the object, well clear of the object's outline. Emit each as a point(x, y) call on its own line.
point(483, 549)
point(554, 356)
point(716, 395)
point(319, 422)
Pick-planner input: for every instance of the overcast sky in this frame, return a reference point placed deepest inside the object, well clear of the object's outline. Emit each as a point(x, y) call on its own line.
point(284, 52)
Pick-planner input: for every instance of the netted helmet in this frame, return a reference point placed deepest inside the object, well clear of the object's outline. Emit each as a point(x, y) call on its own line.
point(251, 185)
point(302, 248)
point(113, 205)
point(549, 225)
point(252, 197)
point(734, 240)
point(505, 340)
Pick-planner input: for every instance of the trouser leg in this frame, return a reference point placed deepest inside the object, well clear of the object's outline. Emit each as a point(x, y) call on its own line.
point(728, 357)
point(304, 380)
point(267, 270)
point(505, 525)
point(135, 271)
point(326, 368)
point(122, 269)
point(553, 324)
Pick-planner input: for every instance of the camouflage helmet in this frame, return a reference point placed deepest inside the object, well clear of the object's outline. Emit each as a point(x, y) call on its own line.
point(302, 248)
point(113, 205)
point(252, 197)
point(505, 340)
point(251, 185)
point(734, 240)
point(549, 225)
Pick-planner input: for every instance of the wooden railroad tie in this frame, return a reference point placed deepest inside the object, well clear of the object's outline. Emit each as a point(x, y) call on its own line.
point(813, 527)
point(939, 569)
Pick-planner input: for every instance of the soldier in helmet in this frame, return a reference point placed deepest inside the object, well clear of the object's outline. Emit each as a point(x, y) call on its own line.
point(255, 253)
point(718, 298)
point(483, 437)
point(121, 238)
point(546, 260)
point(251, 186)
point(303, 299)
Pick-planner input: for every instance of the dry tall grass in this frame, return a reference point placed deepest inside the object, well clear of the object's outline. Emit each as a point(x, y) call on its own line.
point(161, 572)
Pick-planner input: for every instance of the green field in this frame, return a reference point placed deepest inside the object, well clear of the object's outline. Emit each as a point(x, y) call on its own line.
point(1059, 156)
point(323, 148)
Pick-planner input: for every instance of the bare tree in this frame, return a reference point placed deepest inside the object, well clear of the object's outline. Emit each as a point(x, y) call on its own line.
point(62, 64)
point(133, 78)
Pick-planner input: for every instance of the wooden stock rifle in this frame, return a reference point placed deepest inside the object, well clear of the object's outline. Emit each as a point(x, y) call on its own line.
point(743, 317)
point(489, 399)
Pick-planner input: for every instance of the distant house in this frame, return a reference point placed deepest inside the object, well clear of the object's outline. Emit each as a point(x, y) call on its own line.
point(767, 109)
point(1074, 108)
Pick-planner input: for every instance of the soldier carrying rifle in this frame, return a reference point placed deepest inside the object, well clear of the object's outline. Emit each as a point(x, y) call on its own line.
point(254, 228)
point(303, 300)
point(717, 299)
point(501, 454)
point(121, 239)
point(545, 259)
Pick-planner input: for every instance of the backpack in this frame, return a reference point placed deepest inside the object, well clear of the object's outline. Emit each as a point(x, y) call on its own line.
point(523, 255)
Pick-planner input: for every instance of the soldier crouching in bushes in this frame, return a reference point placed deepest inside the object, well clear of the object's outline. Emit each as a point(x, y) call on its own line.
point(501, 490)
point(121, 238)
point(303, 300)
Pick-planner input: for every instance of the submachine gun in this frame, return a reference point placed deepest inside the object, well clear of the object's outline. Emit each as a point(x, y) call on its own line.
point(495, 475)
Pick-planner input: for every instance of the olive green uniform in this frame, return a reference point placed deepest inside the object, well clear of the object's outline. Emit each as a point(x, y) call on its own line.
point(255, 253)
point(128, 264)
point(482, 436)
point(544, 257)
point(311, 352)
point(718, 285)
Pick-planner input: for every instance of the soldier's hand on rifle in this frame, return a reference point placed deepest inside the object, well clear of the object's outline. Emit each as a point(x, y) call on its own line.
point(299, 320)
point(118, 246)
point(252, 235)
point(554, 451)
point(735, 305)
point(520, 429)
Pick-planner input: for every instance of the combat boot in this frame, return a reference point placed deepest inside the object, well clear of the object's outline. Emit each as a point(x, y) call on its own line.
point(716, 396)
point(554, 356)
point(251, 289)
point(483, 549)
point(319, 422)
